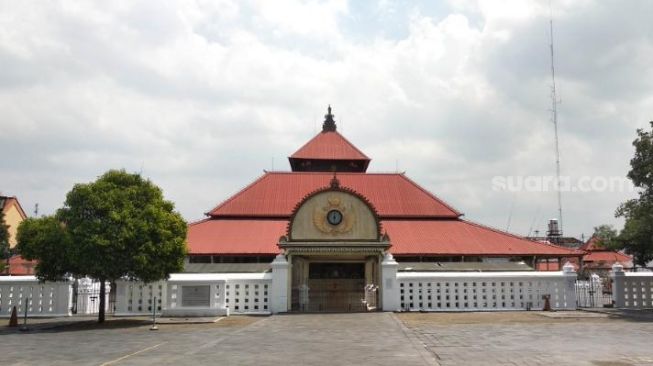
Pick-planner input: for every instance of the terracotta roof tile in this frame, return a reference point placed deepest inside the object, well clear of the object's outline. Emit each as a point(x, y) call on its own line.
point(235, 236)
point(275, 194)
point(607, 256)
point(592, 244)
point(408, 237)
point(329, 145)
point(460, 237)
point(19, 266)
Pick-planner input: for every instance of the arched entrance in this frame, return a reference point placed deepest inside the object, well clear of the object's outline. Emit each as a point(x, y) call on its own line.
point(334, 248)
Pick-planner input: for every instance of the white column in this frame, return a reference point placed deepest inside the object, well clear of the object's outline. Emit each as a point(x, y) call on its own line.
point(618, 286)
point(221, 303)
point(279, 298)
point(389, 284)
point(570, 286)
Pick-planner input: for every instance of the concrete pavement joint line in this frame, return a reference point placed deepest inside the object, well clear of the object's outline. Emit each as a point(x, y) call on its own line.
point(132, 354)
point(428, 356)
point(221, 338)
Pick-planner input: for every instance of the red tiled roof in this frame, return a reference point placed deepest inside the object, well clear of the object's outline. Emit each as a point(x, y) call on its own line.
point(19, 266)
point(408, 237)
point(235, 236)
point(607, 256)
point(275, 194)
point(592, 244)
point(329, 145)
point(460, 237)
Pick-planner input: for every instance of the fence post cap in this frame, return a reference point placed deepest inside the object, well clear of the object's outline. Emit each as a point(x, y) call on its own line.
point(388, 259)
point(279, 261)
point(617, 267)
point(568, 268)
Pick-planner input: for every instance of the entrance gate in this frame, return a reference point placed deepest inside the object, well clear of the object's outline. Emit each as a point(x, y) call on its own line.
point(334, 287)
point(86, 297)
point(593, 293)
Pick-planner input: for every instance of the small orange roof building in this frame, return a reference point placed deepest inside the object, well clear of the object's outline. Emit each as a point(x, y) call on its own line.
point(598, 257)
point(14, 215)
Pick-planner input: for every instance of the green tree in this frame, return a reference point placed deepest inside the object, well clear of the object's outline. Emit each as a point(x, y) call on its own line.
point(47, 240)
point(118, 226)
point(637, 235)
point(606, 235)
point(4, 240)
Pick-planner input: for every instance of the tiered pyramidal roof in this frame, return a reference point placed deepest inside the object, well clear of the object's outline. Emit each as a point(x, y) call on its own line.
point(329, 151)
point(417, 222)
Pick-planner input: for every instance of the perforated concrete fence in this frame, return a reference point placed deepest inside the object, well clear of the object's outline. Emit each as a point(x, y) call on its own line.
point(631, 290)
point(465, 291)
point(42, 299)
point(197, 294)
point(248, 296)
point(137, 298)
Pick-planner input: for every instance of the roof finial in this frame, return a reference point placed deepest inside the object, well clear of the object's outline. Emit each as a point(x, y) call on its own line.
point(335, 183)
point(329, 124)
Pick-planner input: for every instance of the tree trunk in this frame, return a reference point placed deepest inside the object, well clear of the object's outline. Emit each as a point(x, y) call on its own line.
point(103, 300)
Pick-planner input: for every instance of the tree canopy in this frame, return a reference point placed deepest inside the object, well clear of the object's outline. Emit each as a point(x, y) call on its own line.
point(118, 226)
point(606, 236)
point(637, 235)
point(46, 239)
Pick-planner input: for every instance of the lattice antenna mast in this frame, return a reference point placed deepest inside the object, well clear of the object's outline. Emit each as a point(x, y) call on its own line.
point(554, 118)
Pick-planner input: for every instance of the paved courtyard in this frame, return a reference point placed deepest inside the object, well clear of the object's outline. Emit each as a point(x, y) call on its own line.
point(528, 338)
point(341, 339)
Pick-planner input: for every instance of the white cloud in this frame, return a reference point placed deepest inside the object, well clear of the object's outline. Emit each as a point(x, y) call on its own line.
point(203, 95)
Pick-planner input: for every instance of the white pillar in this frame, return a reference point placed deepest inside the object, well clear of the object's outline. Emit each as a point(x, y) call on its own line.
point(570, 286)
point(389, 284)
point(618, 278)
point(280, 269)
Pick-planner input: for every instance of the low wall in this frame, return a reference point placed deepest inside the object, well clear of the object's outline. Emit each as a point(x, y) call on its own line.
point(486, 291)
point(42, 298)
point(197, 294)
point(211, 294)
point(631, 290)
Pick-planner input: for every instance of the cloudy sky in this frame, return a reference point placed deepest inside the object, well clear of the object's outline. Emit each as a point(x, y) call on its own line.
point(202, 96)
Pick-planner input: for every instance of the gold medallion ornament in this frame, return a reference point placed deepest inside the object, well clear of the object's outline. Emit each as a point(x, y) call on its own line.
point(334, 218)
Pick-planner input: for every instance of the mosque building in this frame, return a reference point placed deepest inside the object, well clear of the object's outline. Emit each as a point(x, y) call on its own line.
point(334, 222)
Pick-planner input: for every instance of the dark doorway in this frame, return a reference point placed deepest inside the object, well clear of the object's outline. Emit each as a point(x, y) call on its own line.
point(334, 287)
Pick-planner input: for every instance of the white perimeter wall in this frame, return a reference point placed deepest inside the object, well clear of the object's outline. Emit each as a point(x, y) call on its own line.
point(486, 291)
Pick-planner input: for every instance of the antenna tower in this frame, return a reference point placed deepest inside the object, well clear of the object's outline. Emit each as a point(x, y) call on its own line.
point(554, 117)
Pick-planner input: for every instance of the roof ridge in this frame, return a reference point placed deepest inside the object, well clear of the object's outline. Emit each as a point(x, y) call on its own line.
point(232, 197)
point(403, 175)
point(198, 221)
point(12, 200)
point(519, 237)
point(352, 145)
point(305, 144)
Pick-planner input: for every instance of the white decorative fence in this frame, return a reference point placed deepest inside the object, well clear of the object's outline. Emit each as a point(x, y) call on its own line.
point(197, 294)
point(88, 297)
point(136, 298)
point(486, 291)
point(632, 290)
point(42, 299)
point(210, 294)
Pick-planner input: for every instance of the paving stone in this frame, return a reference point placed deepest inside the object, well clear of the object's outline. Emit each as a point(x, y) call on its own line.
point(574, 341)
